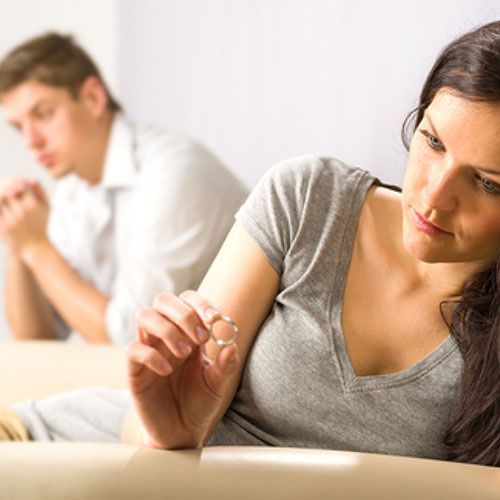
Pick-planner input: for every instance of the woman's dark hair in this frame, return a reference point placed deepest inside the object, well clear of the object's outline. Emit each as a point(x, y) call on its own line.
point(470, 67)
point(474, 429)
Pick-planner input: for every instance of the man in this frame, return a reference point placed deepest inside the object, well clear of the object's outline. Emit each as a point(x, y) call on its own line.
point(135, 211)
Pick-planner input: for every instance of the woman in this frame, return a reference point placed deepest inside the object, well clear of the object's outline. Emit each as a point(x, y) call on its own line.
point(345, 293)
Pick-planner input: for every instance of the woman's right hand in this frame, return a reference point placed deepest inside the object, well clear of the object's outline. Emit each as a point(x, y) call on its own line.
point(177, 391)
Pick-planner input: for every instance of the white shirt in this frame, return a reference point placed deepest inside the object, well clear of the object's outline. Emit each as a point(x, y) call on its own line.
point(154, 223)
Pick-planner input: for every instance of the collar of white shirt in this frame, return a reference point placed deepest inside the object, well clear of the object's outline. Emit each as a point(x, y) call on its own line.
point(120, 169)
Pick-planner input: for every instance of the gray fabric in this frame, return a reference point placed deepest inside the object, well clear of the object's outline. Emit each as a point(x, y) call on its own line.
point(298, 386)
point(90, 414)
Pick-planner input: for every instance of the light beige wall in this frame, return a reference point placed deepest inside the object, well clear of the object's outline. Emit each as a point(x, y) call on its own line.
point(263, 80)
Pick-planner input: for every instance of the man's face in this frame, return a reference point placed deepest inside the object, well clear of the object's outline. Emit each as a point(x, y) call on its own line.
point(451, 193)
point(57, 128)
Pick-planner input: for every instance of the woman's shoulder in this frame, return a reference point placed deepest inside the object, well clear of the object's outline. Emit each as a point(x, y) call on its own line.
point(322, 175)
point(380, 220)
point(310, 165)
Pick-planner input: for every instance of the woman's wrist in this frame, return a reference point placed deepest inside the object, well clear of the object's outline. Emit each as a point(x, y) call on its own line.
point(134, 432)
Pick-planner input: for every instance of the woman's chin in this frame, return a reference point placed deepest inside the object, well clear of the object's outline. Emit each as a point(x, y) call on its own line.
point(427, 251)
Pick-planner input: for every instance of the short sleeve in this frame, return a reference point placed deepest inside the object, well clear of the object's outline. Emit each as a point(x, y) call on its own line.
point(298, 203)
point(272, 213)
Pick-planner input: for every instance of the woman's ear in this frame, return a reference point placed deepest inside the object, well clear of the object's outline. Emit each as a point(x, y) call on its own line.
point(94, 95)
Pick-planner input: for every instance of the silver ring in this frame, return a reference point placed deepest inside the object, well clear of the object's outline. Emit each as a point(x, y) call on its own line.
point(220, 341)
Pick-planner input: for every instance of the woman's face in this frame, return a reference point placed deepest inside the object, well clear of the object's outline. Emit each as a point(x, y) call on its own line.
point(451, 191)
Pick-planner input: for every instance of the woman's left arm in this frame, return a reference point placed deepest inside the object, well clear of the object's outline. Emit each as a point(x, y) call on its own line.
point(242, 284)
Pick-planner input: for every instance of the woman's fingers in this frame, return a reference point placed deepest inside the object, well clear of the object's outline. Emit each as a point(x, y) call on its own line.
point(186, 312)
point(140, 355)
point(150, 323)
point(173, 329)
point(204, 309)
point(217, 373)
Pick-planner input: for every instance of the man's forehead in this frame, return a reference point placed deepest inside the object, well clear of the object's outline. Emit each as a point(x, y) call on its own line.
point(26, 96)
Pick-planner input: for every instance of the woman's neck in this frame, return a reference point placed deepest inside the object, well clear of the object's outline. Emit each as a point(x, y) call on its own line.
point(442, 280)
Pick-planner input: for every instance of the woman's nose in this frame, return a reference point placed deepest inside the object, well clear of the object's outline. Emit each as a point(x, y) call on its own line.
point(440, 191)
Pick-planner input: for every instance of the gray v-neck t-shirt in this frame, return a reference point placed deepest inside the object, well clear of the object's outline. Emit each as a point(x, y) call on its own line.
point(298, 387)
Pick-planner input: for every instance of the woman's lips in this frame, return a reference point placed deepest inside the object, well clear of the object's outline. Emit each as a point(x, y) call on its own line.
point(426, 227)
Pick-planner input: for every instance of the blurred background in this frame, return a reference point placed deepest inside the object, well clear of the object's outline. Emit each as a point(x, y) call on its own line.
point(256, 80)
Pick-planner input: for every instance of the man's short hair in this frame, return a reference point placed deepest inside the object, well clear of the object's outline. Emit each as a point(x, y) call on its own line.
point(52, 59)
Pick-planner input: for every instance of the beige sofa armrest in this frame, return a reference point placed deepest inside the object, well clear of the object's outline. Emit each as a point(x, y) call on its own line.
point(102, 471)
point(34, 369)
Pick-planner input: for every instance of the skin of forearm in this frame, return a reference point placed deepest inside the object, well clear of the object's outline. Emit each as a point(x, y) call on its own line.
point(28, 312)
point(80, 304)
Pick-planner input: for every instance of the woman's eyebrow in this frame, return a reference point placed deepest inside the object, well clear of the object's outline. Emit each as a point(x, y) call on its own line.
point(490, 171)
point(428, 118)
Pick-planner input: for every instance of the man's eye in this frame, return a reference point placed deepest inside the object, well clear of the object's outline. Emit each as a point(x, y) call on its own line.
point(44, 113)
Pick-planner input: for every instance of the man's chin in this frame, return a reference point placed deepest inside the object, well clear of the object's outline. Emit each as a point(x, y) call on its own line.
point(60, 171)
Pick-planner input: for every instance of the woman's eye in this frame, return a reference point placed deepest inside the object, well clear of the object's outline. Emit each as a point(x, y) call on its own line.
point(434, 143)
point(488, 185)
point(432, 140)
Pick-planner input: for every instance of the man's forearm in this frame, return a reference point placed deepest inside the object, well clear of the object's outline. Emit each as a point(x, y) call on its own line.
point(28, 312)
point(80, 304)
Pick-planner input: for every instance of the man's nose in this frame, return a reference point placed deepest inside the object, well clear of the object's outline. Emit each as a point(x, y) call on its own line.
point(440, 191)
point(33, 138)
